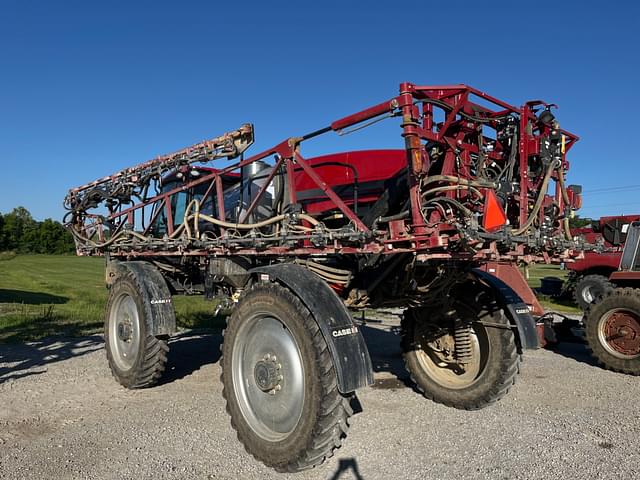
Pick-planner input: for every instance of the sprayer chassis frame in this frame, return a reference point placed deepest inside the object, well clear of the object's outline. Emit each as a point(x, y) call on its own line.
point(413, 235)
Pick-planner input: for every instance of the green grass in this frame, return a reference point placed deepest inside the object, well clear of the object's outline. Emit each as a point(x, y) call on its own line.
point(43, 295)
point(537, 273)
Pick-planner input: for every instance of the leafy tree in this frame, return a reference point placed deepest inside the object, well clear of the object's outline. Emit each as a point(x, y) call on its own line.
point(578, 222)
point(20, 232)
point(54, 238)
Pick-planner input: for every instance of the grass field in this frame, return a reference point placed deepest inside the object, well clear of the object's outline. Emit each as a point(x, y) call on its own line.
point(42, 295)
point(537, 273)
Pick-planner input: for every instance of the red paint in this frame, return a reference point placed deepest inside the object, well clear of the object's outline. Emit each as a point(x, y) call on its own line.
point(512, 276)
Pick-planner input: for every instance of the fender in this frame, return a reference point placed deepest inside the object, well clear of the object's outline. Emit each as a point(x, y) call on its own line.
point(155, 291)
point(515, 309)
point(346, 344)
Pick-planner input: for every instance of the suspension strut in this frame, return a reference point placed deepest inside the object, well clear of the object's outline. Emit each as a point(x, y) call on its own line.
point(463, 345)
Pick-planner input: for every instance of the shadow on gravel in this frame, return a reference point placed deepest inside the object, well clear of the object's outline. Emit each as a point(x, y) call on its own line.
point(384, 347)
point(570, 342)
point(576, 350)
point(347, 468)
point(189, 351)
point(33, 358)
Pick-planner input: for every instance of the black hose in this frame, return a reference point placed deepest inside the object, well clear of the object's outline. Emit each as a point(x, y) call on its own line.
point(391, 218)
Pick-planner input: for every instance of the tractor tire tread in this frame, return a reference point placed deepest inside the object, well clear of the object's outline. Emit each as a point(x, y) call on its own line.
point(627, 297)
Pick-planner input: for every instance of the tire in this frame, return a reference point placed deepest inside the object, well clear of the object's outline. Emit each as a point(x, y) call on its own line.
point(136, 358)
point(495, 359)
point(589, 288)
point(612, 330)
point(279, 381)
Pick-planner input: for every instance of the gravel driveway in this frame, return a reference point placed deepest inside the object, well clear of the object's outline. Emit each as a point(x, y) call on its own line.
point(63, 416)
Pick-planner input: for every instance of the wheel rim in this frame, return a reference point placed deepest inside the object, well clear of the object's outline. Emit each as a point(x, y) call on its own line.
point(619, 333)
point(450, 374)
point(124, 331)
point(587, 295)
point(268, 377)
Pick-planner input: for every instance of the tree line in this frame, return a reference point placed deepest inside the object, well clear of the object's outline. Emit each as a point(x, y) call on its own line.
point(19, 232)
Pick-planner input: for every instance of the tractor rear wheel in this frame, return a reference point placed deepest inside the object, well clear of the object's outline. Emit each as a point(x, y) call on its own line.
point(136, 358)
point(456, 360)
point(589, 288)
point(612, 330)
point(280, 383)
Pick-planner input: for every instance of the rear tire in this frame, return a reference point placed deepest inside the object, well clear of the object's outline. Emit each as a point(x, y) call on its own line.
point(136, 358)
point(280, 383)
point(477, 384)
point(612, 330)
point(589, 288)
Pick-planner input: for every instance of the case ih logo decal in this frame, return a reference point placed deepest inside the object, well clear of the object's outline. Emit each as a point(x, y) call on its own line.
point(160, 301)
point(341, 332)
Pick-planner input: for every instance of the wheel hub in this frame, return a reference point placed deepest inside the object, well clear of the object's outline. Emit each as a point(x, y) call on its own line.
point(125, 331)
point(267, 374)
point(622, 332)
point(437, 356)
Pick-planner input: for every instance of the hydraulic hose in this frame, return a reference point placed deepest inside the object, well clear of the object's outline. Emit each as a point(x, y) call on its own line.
point(458, 180)
point(539, 200)
point(453, 187)
point(565, 198)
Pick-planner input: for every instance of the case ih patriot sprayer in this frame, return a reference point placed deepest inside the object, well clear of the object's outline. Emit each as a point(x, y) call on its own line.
point(290, 244)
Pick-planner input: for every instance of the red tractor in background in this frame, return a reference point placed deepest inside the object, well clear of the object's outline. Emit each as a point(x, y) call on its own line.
point(612, 321)
point(589, 276)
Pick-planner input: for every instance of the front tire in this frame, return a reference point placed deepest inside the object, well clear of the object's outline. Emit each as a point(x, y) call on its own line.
point(612, 330)
point(280, 383)
point(491, 363)
point(136, 358)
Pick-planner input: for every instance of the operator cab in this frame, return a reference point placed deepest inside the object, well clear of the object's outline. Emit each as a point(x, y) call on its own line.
point(180, 200)
point(372, 183)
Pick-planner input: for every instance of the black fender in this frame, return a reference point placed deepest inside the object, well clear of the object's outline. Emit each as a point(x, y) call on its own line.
point(515, 309)
point(154, 290)
point(346, 344)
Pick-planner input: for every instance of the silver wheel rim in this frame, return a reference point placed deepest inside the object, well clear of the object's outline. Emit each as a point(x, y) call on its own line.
point(124, 331)
point(268, 377)
point(587, 295)
point(449, 375)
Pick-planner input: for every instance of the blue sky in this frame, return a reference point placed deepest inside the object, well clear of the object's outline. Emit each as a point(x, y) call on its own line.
point(87, 88)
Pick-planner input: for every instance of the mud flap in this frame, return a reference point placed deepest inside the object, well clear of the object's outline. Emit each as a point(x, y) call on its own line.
point(345, 342)
point(515, 309)
point(154, 290)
